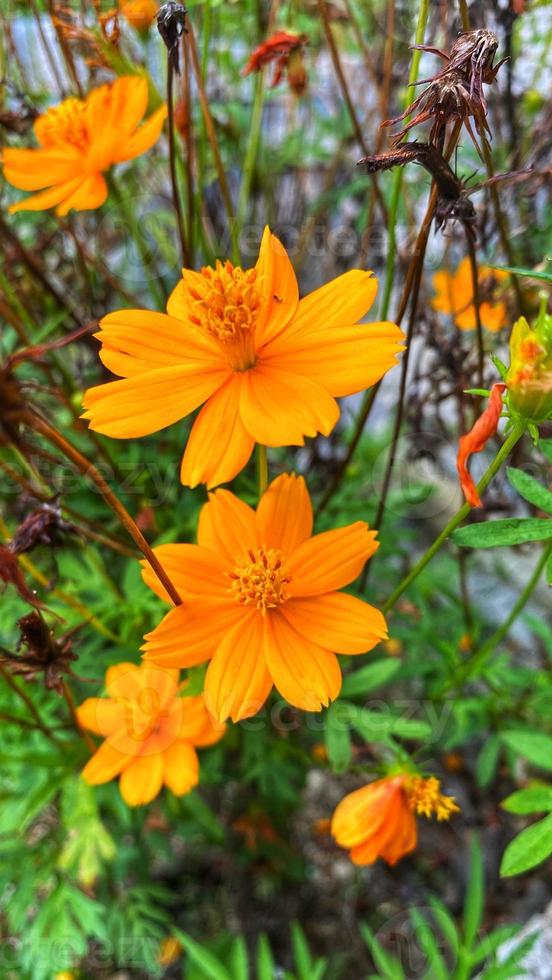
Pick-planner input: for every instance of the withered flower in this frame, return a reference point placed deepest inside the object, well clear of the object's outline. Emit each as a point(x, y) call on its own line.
point(44, 654)
point(171, 24)
point(11, 574)
point(284, 50)
point(43, 526)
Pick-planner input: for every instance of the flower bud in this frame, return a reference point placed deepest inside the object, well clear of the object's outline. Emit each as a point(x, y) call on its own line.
point(529, 377)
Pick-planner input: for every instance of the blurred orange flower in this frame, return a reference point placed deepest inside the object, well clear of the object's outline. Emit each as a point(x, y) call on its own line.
point(267, 365)
point(260, 601)
point(150, 732)
point(279, 48)
point(140, 14)
point(454, 295)
point(78, 140)
point(379, 820)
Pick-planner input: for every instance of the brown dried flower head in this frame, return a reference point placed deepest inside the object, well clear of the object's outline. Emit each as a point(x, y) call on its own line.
point(44, 654)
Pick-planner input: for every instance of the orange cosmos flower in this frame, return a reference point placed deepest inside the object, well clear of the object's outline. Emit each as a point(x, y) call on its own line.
point(149, 730)
point(78, 140)
point(475, 441)
point(454, 295)
point(268, 366)
point(260, 601)
point(140, 14)
point(379, 820)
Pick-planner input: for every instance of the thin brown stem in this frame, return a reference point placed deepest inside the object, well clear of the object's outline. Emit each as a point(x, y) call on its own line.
point(184, 252)
point(40, 425)
point(477, 308)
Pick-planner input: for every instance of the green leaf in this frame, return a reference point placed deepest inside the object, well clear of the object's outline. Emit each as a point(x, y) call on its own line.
point(530, 273)
point(301, 953)
point(496, 534)
point(545, 446)
point(528, 849)
point(533, 799)
point(368, 678)
point(473, 904)
point(530, 489)
point(199, 811)
point(238, 961)
point(389, 967)
point(534, 746)
point(428, 944)
point(337, 737)
point(487, 759)
point(203, 958)
point(266, 966)
point(549, 570)
point(376, 726)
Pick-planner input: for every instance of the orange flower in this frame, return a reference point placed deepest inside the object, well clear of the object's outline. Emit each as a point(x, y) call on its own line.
point(475, 441)
point(149, 730)
point(140, 14)
point(454, 295)
point(268, 366)
point(379, 820)
point(278, 48)
point(260, 601)
point(78, 140)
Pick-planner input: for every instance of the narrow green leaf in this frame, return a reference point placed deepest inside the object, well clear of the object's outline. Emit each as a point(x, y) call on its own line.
point(545, 446)
point(473, 904)
point(534, 746)
point(376, 726)
point(428, 944)
point(530, 273)
point(549, 570)
point(369, 678)
point(301, 953)
point(503, 534)
point(266, 967)
point(203, 958)
point(528, 849)
point(238, 961)
point(533, 799)
point(388, 965)
point(487, 760)
point(530, 489)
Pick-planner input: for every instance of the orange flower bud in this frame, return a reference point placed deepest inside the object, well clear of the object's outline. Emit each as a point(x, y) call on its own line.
point(476, 440)
point(140, 14)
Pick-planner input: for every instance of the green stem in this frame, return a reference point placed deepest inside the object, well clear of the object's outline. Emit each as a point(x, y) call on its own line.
point(396, 186)
point(262, 469)
point(156, 290)
point(502, 454)
point(252, 150)
point(479, 657)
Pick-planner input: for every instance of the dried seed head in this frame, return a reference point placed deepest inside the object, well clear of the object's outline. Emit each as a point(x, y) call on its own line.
point(44, 526)
point(44, 654)
point(171, 24)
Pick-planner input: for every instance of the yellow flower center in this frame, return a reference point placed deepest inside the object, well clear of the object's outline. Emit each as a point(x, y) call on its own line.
point(425, 797)
point(225, 306)
point(64, 123)
point(258, 580)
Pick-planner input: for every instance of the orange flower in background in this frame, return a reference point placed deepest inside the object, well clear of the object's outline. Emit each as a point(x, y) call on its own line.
point(140, 14)
point(379, 820)
point(475, 441)
point(261, 602)
point(267, 365)
point(78, 140)
point(454, 295)
point(283, 49)
point(150, 733)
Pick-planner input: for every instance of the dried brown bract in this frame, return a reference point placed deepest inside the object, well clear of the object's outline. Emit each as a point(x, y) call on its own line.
point(44, 654)
point(11, 574)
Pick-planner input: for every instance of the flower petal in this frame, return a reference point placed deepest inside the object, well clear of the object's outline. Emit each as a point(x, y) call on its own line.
point(47, 199)
point(337, 621)
point(328, 561)
point(153, 340)
point(29, 170)
point(100, 715)
point(284, 514)
point(237, 682)
point(141, 781)
point(360, 814)
point(305, 674)
point(185, 638)
point(219, 445)
point(144, 137)
point(194, 571)
point(279, 408)
point(278, 285)
point(91, 194)
point(180, 768)
point(343, 359)
point(227, 526)
point(150, 401)
point(197, 726)
point(405, 838)
point(345, 299)
point(104, 765)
